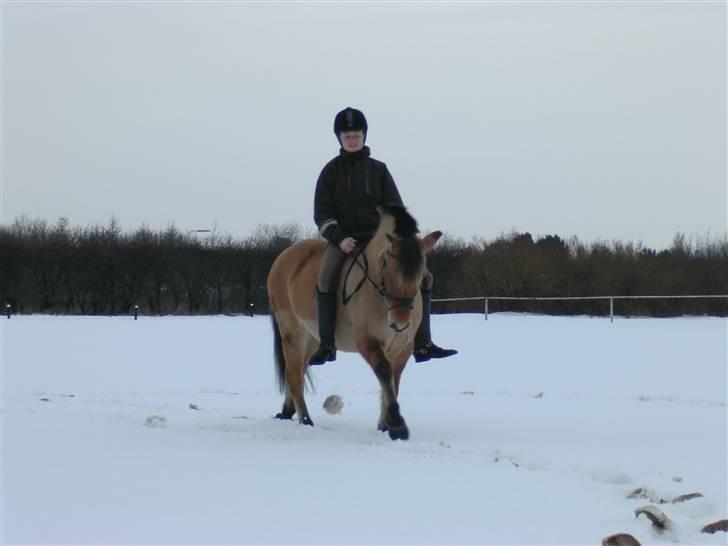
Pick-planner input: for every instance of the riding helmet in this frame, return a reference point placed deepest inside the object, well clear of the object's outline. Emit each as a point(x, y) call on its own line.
point(349, 119)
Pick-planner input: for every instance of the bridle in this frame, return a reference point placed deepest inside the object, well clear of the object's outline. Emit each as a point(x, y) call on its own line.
point(391, 301)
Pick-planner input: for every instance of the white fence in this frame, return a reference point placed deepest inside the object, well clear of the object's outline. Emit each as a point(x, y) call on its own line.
point(487, 299)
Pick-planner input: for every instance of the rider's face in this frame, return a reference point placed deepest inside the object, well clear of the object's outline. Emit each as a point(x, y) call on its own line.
point(352, 141)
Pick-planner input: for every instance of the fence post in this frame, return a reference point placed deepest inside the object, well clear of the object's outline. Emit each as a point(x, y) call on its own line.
point(611, 309)
point(136, 312)
point(8, 309)
point(486, 308)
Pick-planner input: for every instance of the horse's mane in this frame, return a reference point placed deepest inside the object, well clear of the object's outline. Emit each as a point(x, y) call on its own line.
point(404, 225)
point(405, 228)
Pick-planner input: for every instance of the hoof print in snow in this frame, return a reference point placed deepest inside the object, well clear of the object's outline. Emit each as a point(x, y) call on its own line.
point(655, 515)
point(644, 493)
point(538, 395)
point(334, 404)
point(194, 407)
point(677, 479)
point(721, 525)
point(469, 393)
point(45, 399)
point(156, 421)
point(689, 496)
point(444, 444)
point(621, 539)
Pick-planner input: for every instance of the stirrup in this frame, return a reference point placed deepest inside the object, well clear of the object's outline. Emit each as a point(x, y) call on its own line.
point(430, 350)
point(325, 353)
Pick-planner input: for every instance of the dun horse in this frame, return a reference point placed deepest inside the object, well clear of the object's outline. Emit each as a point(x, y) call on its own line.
point(378, 313)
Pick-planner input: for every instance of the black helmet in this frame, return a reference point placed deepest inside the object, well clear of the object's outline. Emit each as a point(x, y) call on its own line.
point(349, 119)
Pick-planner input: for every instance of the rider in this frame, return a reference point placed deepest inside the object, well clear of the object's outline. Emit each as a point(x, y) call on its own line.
point(349, 189)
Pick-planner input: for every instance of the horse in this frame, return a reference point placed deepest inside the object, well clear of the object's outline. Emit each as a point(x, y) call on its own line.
point(377, 315)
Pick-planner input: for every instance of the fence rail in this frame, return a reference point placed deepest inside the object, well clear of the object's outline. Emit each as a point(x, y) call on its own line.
point(487, 299)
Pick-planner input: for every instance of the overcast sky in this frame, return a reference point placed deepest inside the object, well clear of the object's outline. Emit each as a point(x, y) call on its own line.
point(601, 120)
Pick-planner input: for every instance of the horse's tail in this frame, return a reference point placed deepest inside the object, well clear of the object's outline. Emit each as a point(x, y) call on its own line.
point(278, 355)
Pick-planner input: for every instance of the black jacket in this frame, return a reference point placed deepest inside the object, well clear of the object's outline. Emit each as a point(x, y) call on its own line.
point(349, 189)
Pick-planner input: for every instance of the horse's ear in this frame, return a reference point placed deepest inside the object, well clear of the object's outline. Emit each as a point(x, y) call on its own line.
point(393, 244)
point(430, 241)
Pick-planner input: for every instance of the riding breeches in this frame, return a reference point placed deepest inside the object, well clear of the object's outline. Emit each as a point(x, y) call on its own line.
point(332, 263)
point(330, 272)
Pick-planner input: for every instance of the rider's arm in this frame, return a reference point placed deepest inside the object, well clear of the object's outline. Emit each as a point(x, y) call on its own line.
point(324, 209)
point(391, 193)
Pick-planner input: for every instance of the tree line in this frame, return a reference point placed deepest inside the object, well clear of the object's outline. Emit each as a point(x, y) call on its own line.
point(102, 270)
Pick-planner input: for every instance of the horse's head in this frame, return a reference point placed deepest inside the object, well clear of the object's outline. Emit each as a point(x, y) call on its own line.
point(402, 262)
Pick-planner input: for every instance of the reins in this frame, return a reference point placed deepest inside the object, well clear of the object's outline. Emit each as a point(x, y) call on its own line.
point(364, 268)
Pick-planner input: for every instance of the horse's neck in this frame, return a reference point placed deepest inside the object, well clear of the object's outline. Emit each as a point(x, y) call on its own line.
point(362, 270)
point(373, 251)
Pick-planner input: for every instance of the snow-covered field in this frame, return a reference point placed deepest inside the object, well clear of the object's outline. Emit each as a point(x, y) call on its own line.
point(160, 431)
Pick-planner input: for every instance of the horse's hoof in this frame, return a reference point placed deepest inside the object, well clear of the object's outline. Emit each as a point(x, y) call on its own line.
point(284, 416)
point(306, 421)
point(399, 433)
point(382, 428)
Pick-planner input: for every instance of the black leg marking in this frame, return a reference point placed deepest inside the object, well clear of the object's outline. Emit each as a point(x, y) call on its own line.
point(286, 413)
point(395, 423)
point(307, 420)
point(400, 433)
point(394, 419)
point(383, 371)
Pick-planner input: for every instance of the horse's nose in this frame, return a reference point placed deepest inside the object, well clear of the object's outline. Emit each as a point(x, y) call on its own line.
point(399, 319)
point(397, 328)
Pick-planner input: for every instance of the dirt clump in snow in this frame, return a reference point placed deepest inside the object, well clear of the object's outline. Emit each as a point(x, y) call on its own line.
point(655, 515)
point(620, 539)
point(156, 421)
point(689, 496)
point(712, 528)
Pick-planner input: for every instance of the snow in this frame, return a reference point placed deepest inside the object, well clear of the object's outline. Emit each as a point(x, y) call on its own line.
point(160, 431)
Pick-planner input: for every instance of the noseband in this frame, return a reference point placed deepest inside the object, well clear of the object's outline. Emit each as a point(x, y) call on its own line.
point(392, 302)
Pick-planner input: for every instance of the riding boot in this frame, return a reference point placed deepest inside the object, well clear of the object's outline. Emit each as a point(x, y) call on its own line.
point(326, 303)
point(425, 349)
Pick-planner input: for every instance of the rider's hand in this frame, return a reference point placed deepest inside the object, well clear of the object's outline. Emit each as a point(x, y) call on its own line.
point(348, 244)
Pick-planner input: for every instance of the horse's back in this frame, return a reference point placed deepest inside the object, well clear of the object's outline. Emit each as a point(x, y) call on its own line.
point(292, 278)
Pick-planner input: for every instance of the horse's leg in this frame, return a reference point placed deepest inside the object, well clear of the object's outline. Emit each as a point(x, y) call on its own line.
point(289, 409)
point(295, 370)
point(390, 419)
point(399, 362)
point(296, 378)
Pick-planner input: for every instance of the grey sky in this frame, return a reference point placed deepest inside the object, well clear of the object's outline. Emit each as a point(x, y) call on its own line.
point(601, 120)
